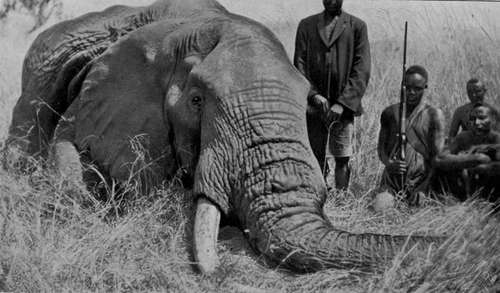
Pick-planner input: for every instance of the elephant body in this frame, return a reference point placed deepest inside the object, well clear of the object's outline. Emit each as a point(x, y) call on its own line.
point(61, 52)
point(196, 88)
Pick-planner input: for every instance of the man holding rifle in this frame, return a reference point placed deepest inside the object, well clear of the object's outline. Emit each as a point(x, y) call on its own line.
point(425, 138)
point(333, 53)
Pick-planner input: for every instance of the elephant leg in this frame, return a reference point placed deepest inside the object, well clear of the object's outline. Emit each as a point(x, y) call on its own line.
point(15, 155)
point(14, 158)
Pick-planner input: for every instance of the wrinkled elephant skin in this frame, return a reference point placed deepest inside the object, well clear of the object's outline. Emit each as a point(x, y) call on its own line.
point(201, 90)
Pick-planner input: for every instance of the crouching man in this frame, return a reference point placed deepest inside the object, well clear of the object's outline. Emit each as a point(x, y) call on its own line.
point(425, 140)
point(476, 91)
point(470, 164)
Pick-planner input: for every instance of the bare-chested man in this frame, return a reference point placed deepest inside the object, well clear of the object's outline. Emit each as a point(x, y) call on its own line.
point(425, 139)
point(476, 91)
point(472, 159)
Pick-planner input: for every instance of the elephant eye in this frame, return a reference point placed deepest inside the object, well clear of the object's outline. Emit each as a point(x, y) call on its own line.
point(196, 101)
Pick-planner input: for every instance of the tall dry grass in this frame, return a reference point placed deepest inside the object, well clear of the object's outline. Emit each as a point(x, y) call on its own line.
point(51, 243)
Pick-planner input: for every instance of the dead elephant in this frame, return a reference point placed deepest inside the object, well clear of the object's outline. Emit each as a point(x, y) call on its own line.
point(217, 96)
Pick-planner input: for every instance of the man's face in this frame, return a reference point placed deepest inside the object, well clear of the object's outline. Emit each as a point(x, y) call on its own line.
point(333, 6)
point(476, 92)
point(415, 87)
point(480, 120)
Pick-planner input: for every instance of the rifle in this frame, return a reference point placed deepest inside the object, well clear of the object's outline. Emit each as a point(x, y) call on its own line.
point(329, 127)
point(402, 114)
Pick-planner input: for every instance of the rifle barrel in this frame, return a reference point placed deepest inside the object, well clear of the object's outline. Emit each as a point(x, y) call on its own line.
point(402, 111)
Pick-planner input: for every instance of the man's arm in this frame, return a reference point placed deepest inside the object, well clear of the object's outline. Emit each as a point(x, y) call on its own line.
point(360, 71)
point(493, 152)
point(300, 57)
point(455, 124)
point(446, 158)
point(384, 147)
point(496, 120)
point(449, 159)
point(436, 134)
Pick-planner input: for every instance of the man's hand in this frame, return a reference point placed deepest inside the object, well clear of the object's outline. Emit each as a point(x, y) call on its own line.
point(491, 151)
point(396, 167)
point(481, 158)
point(321, 103)
point(334, 113)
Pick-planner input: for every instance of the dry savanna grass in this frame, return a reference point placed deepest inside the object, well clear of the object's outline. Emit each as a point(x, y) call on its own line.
point(56, 236)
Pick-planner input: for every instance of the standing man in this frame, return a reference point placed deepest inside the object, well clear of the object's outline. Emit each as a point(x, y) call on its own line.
point(476, 91)
point(333, 53)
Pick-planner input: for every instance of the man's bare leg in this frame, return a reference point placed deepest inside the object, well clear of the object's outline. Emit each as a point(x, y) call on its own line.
point(342, 173)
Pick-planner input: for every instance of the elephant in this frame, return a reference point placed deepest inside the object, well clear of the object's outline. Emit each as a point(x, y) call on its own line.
point(210, 93)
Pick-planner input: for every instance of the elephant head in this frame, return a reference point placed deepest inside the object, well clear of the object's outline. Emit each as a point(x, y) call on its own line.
point(216, 95)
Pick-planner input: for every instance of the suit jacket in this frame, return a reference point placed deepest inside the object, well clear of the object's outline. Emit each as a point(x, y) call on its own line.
point(348, 52)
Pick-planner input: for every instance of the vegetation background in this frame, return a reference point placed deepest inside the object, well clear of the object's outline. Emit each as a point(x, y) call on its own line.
point(48, 242)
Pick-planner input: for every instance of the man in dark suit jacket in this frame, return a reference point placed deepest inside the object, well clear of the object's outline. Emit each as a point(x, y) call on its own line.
point(333, 53)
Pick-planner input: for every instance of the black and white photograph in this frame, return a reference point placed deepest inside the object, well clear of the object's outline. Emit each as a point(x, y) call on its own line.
point(249, 146)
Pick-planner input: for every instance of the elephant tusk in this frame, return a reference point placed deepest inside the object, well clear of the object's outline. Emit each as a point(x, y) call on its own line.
point(206, 229)
point(66, 160)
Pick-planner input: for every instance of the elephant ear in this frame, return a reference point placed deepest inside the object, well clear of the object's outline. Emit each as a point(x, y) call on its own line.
point(120, 121)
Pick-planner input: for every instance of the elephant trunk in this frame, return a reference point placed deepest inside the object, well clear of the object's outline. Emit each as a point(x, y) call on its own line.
point(301, 238)
point(282, 208)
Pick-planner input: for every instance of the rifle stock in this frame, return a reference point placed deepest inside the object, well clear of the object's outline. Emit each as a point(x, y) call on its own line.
point(402, 114)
